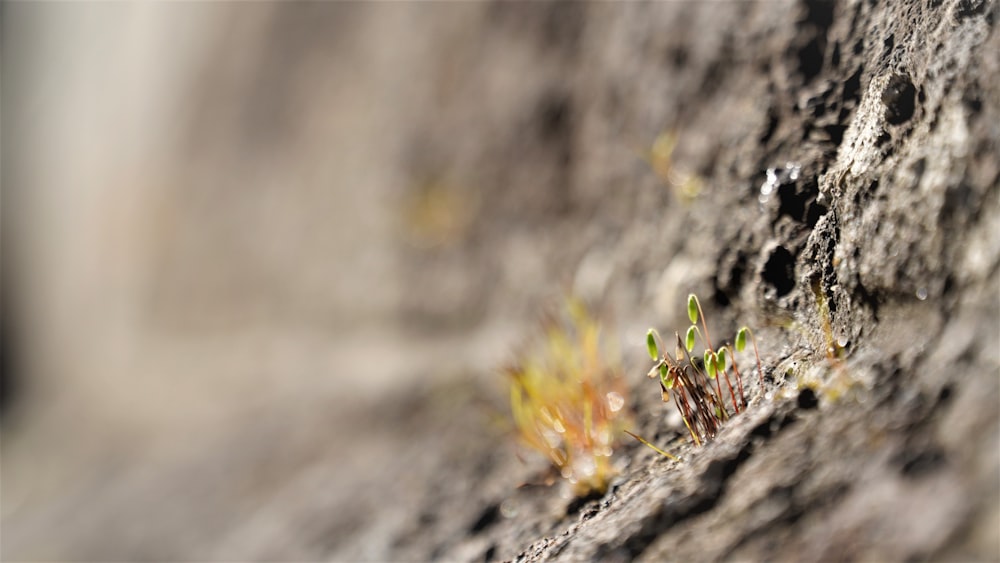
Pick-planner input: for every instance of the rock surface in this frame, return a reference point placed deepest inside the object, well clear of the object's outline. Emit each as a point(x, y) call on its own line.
point(848, 156)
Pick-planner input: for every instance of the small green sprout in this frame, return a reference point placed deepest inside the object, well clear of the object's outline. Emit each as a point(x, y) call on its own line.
point(710, 364)
point(741, 344)
point(702, 405)
point(741, 339)
point(694, 309)
point(667, 379)
point(668, 382)
point(654, 352)
point(689, 338)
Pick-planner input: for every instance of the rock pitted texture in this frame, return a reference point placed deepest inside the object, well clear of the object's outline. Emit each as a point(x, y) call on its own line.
point(848, 155)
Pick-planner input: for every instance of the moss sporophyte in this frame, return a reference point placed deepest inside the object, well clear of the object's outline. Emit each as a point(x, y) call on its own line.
point(689, 385)
point(568, 397)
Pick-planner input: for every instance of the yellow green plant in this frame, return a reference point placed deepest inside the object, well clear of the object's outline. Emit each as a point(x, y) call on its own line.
point(659, 157)
point(567, 397)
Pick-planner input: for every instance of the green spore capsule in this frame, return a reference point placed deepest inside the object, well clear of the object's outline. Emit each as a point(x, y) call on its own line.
point(668, 382)
point(651, 347)
point(741, 339)
point(720, 360)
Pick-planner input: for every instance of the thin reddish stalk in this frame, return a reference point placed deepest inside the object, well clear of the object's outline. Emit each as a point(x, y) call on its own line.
point(731, 392)
point(719, 387)
point(682, 405)
point(739, 377)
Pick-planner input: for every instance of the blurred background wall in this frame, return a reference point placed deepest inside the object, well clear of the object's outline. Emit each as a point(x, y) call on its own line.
point(201, 184)
point(206, 212)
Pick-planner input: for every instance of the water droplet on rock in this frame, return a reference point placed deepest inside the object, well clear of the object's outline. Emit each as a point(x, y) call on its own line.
point(584, 466)
point(776, 177)
point(615, 401)
point(793, 170)
point(769, 185)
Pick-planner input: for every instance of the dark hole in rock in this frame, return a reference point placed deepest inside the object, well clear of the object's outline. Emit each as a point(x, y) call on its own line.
point(899, 98)
point(811, 59)
point(720, 298)
point(810, 56)
point(859, 46)
point(820, 14)
point(577, 503)
point(779, 271)
point(949, 284)
point(944, 395)
point(919, 464)
point(773, 425)
point(974, 103)
point(793, 198)
point(491, 553)
point(816, 211)
point(592, 510)
point(970, 8)
point(852, 86)
point(956, 199)
point(807, 399)
point(763, 430)
point(487, 518)
point(769, 375)
point(718, 472)
point(888, 45)
point(792, 202)
point(835, 133)
point(851, 92)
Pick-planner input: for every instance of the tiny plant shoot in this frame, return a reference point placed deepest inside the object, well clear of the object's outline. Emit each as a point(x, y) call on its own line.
point(690, 386)
point(567, 398)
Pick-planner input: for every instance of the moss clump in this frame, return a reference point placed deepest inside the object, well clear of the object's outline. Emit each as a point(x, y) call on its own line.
point(568, 397)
